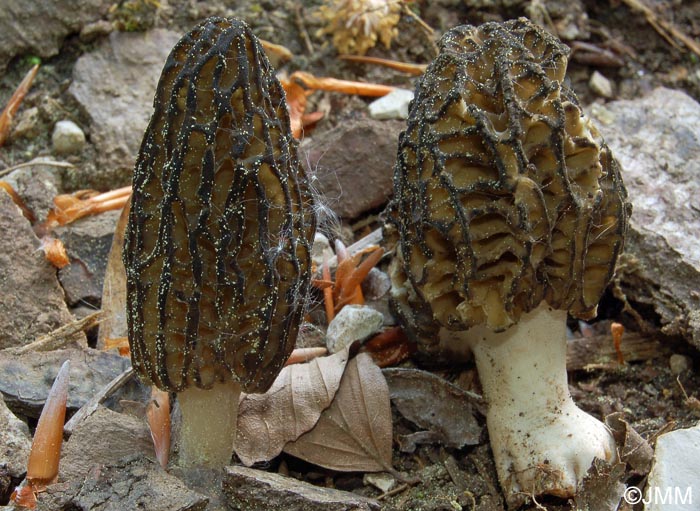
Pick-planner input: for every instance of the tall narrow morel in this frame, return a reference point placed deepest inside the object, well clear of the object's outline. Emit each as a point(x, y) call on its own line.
point(217, 248)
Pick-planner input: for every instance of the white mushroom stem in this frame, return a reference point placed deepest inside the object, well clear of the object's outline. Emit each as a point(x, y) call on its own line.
point(541, 441)
point(209, 419)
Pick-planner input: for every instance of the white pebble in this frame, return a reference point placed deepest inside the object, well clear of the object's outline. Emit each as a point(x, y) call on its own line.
point(392, 106)
point(67, 138)
point(600, 85)
point(352, 323)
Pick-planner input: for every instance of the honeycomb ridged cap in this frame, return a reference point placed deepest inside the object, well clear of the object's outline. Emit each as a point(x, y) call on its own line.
point(217, 247)
point(504, 193)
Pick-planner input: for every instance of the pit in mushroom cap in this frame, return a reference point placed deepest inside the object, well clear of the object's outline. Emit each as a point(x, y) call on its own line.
point(217, 249)
point(508, 211)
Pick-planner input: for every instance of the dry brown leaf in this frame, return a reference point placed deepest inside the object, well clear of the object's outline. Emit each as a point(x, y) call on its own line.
point(113, 325)
point(292, 406)
point(437, 406)
point(355, 432)
point(633, 449)
point(601, 489)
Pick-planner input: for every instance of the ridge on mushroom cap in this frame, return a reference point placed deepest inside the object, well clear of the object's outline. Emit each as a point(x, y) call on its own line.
point(217, 249)
point(504, 193)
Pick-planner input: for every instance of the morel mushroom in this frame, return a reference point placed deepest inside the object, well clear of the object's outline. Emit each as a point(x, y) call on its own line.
point(217, 249)
point(509, 211)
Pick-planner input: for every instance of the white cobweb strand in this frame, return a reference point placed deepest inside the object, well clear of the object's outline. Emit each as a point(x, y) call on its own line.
point(542, 442)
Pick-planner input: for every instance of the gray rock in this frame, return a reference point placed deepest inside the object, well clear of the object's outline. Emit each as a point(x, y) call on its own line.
point(67, 138)
point(657, 142)
point(37, 184)
point(15, 442)
point(251, 490)
point(27, 124)
point(115, 85)
point(31, 302)
point(392, 106)
point(103, 439)
point(88, 242)
point(352, 323)
point(352, 165)
point(600, 85)
point(376, 285)
point(26, 379)
point(134, 482)
point(676, 469)
point(39, 26)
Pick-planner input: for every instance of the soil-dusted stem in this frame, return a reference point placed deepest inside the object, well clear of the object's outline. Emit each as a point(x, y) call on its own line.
point(542, 442)
point(209, 419)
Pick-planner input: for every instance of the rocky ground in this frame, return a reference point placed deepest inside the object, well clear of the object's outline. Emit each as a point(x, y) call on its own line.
point(81, 125)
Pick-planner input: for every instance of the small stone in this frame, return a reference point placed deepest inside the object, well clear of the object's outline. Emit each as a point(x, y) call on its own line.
point(67, 138)
point(38, 27)
point(679, 363)
point(114, 83)
point(352, 164)
point(93, 31)
point(27, 124)
point(251, 490)
point(103, 438)
point(660, 265)
point(352, 323)
point(133, 482)
point(392, 106)
point(15, 442)
point(32, 301)
point(37, 184)
point(385, 482)
point(376, 285)
point(676, 468)
point(321, 250)
point(27, 378)
point(601, 85)
point(88, 242)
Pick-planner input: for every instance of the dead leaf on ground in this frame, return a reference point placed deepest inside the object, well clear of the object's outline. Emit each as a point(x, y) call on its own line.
point(601, 489)
point(292, 406)
point(451, 415)
point(355, 432)
point(633, 449)
point(113, 325)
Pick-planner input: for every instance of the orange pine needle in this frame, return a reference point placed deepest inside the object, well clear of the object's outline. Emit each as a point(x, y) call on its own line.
point(158, 415)
point(280, 53)
point(389, 347)
point(71, 207)
point(42, 467)
point(616, 329)
point(344, 86)
point(18, 201)
point(358, 274)
point(328, 293)
point(15, 101)
point(357, 297)
point(121, 343)
point(404, 67)
point(301, 355)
